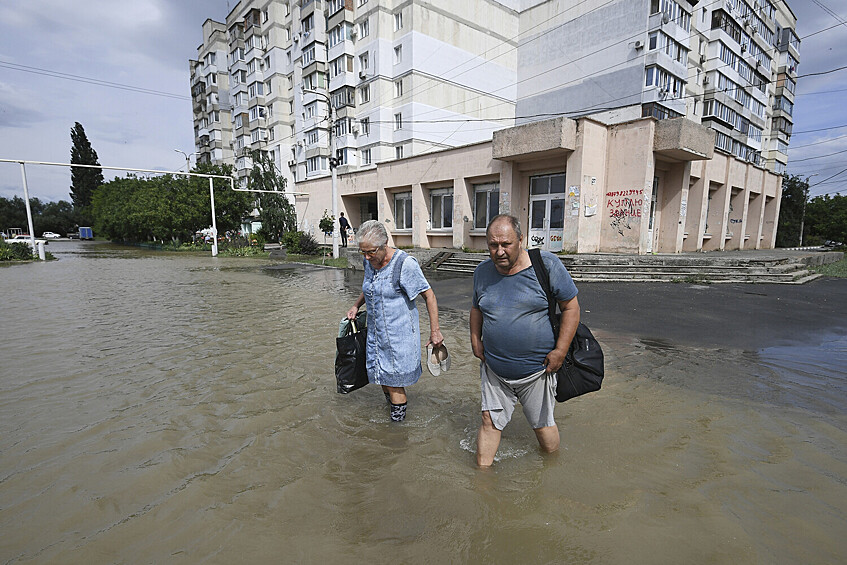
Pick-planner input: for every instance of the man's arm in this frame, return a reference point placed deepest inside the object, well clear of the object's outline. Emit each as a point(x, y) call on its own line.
point(567, 329)
point(476, 333)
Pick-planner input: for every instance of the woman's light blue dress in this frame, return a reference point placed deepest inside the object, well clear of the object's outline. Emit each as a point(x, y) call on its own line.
point(393, 353)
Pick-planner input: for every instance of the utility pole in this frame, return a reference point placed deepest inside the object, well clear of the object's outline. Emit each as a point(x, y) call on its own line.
point(803, 212)
point(333, 163)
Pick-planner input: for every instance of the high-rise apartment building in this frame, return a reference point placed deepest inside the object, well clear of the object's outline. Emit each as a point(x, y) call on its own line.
point(401, 79)
point(728, 64)
point(406, 78)
point(210, 97)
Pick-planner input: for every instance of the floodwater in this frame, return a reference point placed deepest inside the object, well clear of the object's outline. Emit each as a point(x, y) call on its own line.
point(165, 408)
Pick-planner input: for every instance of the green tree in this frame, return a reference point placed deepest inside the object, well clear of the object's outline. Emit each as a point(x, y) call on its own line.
point(84, 180)
point(167, 207)
point(277, 211)
point(795, 191)
point(12, 213)
point(826, 218)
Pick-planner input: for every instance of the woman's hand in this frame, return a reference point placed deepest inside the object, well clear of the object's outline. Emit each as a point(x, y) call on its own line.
point(352, 313)
point(435, 338)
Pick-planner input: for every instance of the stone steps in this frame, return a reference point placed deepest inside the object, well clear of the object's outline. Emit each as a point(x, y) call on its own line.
point(620, 268)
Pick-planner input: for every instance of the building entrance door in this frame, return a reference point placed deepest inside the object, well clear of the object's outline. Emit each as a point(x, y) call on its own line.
point(547, 211)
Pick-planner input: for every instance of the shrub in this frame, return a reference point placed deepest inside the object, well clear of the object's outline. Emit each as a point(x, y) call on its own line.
point(15, 252)
point(300, 243)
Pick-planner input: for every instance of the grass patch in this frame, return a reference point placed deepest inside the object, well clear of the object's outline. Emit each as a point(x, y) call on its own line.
point(318, 260)
point(838, 269)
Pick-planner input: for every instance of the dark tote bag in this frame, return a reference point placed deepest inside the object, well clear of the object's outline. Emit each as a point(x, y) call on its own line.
point(350, 371)
point(583, 369)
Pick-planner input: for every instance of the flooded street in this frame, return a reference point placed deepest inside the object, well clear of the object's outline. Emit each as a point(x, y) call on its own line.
point(172, 408)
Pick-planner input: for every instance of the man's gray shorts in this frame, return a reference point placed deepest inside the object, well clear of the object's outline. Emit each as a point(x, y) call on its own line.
point(537, 394)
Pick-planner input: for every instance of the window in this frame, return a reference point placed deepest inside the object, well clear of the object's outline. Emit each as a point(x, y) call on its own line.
point(308, 23)
point(398, 121)
point(364, 28)
point(398, 54)
point(364, 61)
point(216, 116)
point(256, 89)
point(398, 88)
point(315, 164)
point(366, 126)
point(345, 96)
point(403, 210)
point(312, 136)
point(334, 6)
point(486, 203)
point(365, 94)
point(398, 152)
point(441, 209)
point(311, 110)
point(398, 21)
point(362, 2)
point(268, 87)
point(309, 54)
point(314, 81)
point(366, 156)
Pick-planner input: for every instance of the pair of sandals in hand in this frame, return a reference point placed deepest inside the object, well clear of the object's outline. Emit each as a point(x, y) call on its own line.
point(437, 359)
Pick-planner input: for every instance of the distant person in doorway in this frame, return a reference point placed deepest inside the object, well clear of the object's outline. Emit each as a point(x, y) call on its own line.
point(393, 279)
point(345, 225)
point(512, 337)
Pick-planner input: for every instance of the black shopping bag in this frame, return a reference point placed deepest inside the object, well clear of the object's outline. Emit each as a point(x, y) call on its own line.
point(350, 371)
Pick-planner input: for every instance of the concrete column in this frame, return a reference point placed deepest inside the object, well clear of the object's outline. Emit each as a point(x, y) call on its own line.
point(735, 218)
point(420, 216)
point(695, 210)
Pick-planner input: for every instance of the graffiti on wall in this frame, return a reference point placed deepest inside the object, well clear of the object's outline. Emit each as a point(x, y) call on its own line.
point(622, 207)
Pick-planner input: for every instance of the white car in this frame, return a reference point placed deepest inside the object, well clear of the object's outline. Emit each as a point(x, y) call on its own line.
point(23, 239)
point(50, 235)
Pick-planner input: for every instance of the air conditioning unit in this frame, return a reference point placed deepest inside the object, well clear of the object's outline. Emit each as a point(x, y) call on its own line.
point(705, 80)
point(362, 75)
point(296, 37)
point(702, 59)
point(264, 135)
point(292, 163)
point(666, 18)
point(353, 33)
point(639, 44)
point(743, 47)
point(305, 34)
point(354, 130)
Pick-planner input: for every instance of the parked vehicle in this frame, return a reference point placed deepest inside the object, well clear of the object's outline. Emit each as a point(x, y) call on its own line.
point(50, 235)
point(86, 233)
point(24, 238)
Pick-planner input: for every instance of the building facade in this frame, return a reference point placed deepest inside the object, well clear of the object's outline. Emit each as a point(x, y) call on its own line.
point(580, 186)
point(728, 64)
point(674, 116)
point(400, 79)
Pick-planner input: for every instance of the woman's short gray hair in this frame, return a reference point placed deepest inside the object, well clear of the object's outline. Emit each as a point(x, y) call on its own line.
point(373, 231)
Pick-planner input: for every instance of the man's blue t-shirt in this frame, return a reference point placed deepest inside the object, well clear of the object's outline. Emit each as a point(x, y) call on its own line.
point(516, 332)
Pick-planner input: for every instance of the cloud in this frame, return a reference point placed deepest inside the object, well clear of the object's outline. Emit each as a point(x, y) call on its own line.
point(17, 109)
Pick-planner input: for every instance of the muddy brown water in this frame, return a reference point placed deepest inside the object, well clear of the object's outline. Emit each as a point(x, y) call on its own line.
point(164, 408)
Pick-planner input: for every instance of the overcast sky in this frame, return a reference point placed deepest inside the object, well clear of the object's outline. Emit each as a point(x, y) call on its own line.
point(146, 44)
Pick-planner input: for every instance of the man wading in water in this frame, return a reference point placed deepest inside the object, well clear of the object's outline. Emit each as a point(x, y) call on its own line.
point(512, 336)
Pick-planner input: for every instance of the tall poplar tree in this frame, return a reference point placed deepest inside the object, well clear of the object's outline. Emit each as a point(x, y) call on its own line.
point(83, 179)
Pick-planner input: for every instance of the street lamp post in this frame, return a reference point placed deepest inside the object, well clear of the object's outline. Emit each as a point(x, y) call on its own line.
point(187, 159)
point(332, 167)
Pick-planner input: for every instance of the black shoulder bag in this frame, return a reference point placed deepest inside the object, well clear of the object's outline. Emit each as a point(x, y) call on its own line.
point(582, 371)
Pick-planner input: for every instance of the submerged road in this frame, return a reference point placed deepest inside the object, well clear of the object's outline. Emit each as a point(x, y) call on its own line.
point(742, 316)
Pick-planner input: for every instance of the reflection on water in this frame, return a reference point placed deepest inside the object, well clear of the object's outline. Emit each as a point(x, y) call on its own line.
point(160, 407)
